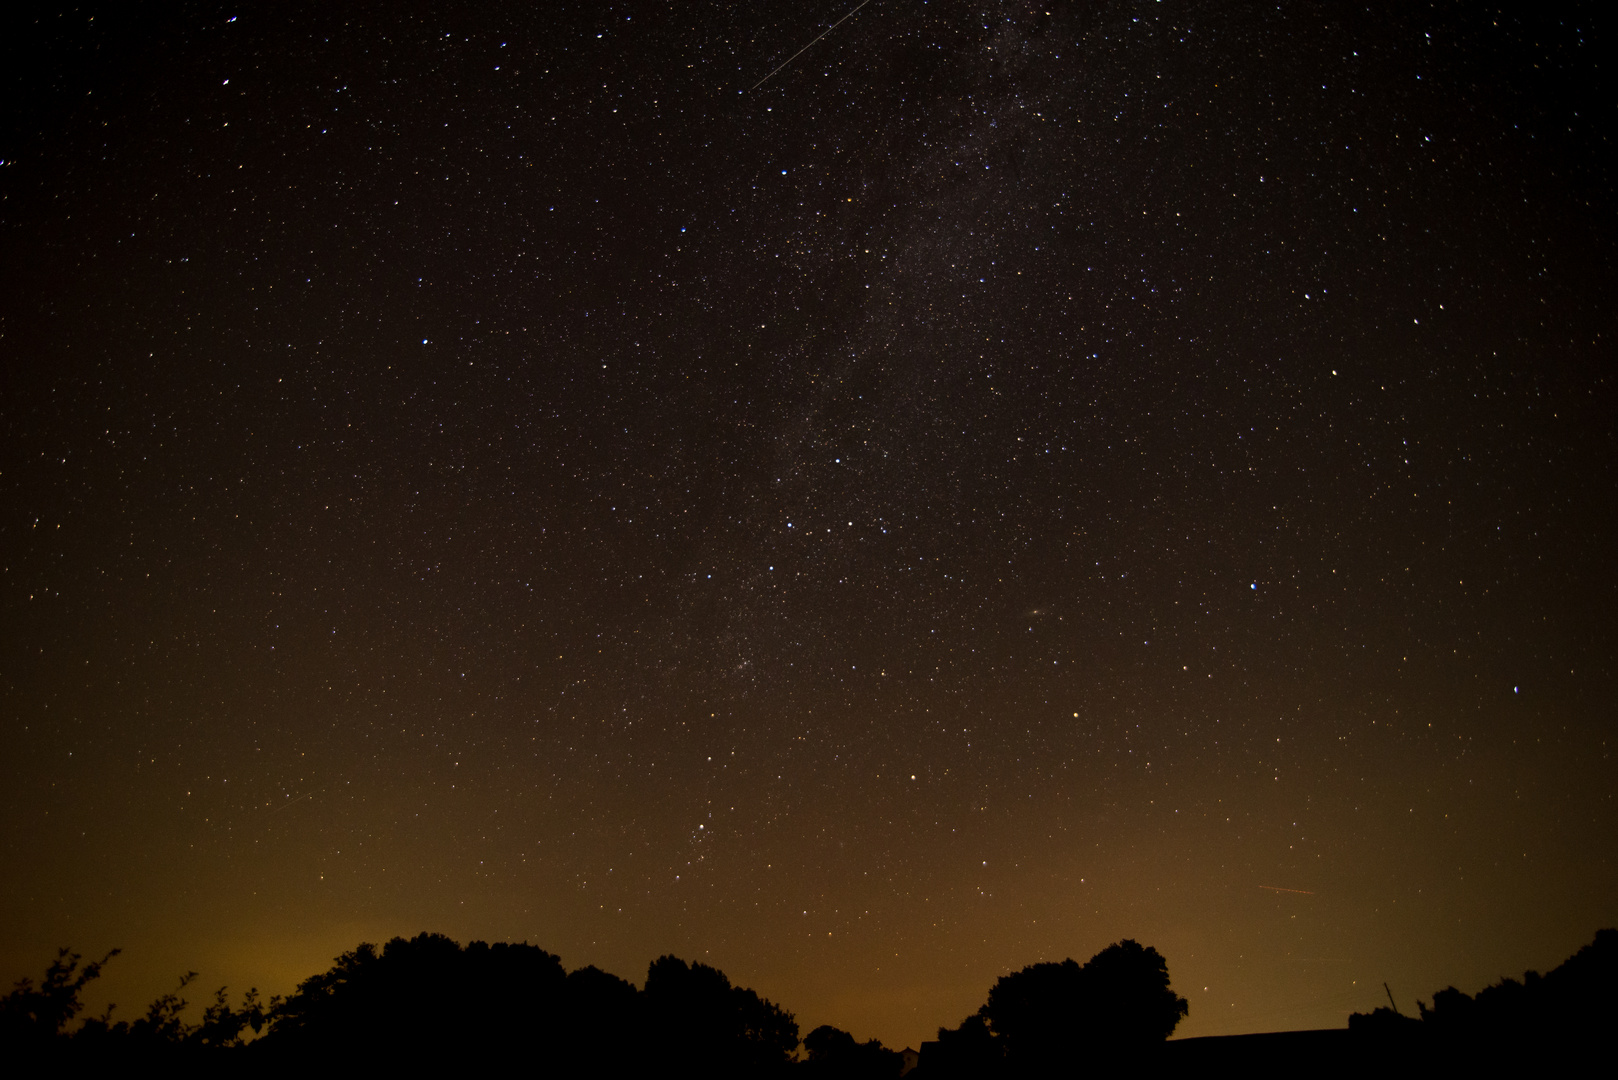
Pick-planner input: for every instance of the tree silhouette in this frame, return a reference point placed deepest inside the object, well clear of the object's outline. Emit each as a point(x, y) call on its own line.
point(423, 1000)
point(1051, 1017)
point(1133, 1005)
point(968, 1051)
point(1114, 1007)
point(700, 1020)
point(1037, 1012)
point(602, 1030)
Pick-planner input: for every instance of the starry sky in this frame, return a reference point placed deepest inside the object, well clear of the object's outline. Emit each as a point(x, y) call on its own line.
point(1018, 478)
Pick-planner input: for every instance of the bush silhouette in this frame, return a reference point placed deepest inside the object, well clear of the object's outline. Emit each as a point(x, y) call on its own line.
point(34, 1021)
point(1576, 999)
point(32, 1017)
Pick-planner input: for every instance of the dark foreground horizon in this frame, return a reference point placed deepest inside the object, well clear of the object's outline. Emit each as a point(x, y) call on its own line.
point(429, 1002)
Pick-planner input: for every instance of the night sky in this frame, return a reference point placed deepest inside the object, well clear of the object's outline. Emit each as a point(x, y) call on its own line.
point(1015, 480)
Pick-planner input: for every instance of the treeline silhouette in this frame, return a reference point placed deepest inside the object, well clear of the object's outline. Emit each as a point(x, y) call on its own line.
point(429, 1003)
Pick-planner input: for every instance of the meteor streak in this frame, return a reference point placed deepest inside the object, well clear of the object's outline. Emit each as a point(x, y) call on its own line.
point(1277, 888)
point(299, 799)
point(806, 48)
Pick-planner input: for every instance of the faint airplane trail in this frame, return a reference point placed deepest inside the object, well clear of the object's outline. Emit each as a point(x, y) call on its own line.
point(1277, 888)
point(806, 48)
